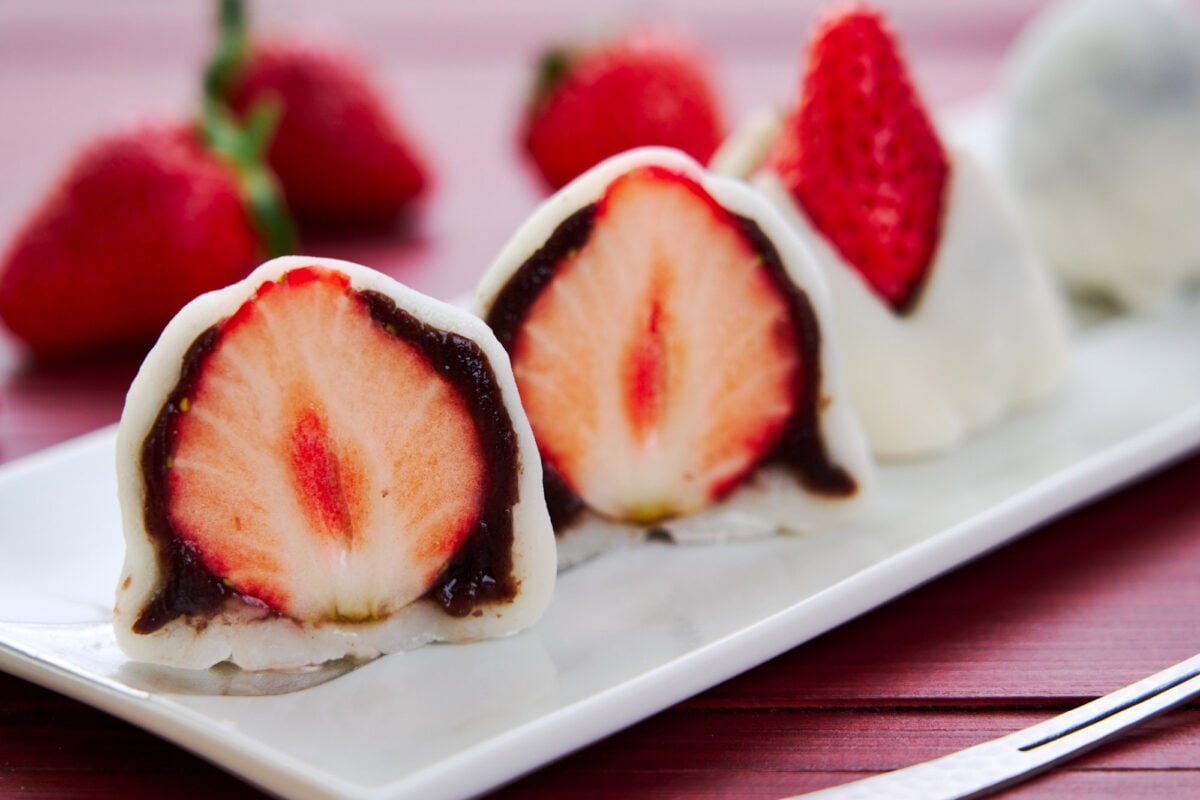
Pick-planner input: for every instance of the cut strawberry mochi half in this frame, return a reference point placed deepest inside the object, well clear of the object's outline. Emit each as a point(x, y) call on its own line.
point(318, 462)
point(667, 335)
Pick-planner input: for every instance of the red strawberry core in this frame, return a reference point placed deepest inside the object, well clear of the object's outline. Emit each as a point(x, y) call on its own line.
point(323, 483)
point(645, 371)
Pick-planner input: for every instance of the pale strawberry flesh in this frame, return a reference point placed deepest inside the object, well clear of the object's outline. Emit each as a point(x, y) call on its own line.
point(660, 357)
point(318, 459)
point(861, 156)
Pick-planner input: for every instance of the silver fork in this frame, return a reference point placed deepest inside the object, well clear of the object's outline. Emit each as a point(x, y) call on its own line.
point(1000, 763)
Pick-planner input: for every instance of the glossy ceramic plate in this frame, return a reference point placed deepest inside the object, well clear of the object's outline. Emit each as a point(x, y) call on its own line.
point(627, 634)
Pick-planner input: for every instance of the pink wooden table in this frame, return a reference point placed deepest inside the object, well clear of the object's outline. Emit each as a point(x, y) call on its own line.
point(1075, 609)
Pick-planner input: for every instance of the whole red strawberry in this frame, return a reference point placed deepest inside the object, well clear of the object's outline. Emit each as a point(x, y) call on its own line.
point(645, 88)
point(862, 158)
point(342, 161)
point(141, 223)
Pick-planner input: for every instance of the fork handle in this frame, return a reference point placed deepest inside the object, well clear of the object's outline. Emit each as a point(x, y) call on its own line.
point(997, 764)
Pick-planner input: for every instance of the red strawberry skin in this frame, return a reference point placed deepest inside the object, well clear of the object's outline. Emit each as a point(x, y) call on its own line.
point(141, 223)
point(862, 158)
point(342, 160)
point(647, 88)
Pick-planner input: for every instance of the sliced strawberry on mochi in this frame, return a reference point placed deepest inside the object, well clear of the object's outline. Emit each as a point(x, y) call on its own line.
point(860, 155)
point(327, 457)
point(662, 351)
point(660, 364)
point(279, 480)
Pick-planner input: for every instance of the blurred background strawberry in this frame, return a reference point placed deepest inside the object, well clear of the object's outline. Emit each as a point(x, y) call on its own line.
point(342, 159)
point(644, 87)
point(142, 222)
point(146, 218)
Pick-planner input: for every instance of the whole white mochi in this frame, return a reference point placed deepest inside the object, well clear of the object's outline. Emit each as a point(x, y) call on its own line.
point(772, 501)
point(248, 635)
point(987, 334)
point(1100, 138)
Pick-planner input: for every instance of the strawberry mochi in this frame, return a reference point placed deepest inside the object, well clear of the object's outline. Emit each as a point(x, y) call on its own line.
point(669, 337)
point(948, 319)
point(1098, 132)
point(988, 335)
point(317, 462)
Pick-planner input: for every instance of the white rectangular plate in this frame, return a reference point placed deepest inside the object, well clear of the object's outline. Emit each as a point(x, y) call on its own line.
point(628, 633)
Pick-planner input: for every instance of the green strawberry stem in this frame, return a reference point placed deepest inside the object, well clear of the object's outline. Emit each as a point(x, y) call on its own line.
point(243, 143)
point(230, 51)
point(243, 146)
point(551, 71)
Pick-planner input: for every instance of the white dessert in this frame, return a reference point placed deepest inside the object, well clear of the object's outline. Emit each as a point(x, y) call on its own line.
point(1100, 116)
point(772, 499)
point(987, 335)
point(246, 630)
